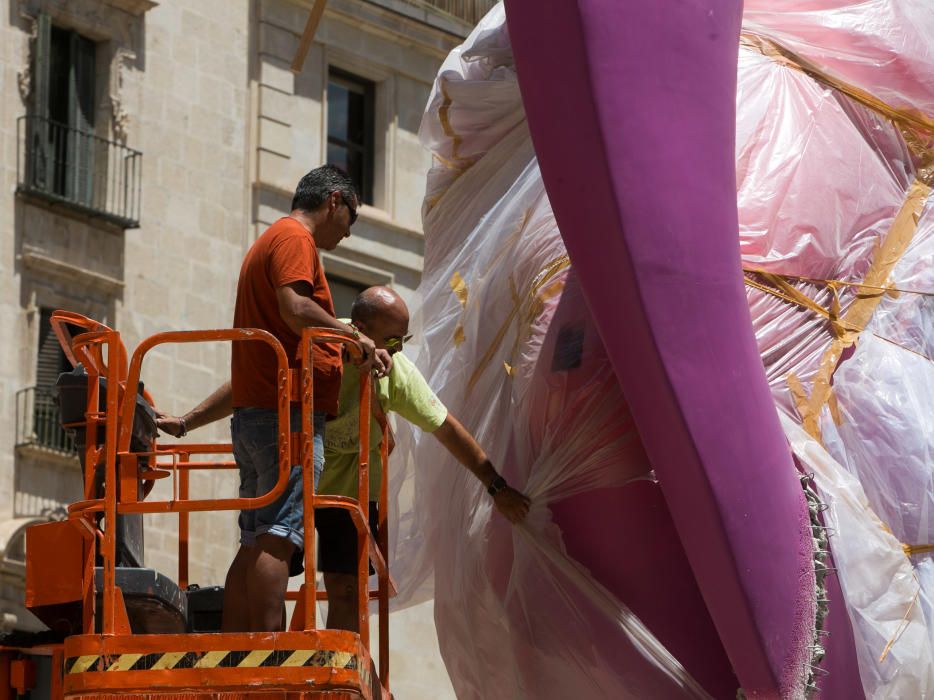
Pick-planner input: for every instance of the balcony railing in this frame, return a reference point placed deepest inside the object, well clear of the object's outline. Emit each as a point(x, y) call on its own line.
point(471, 11)
point(79, 170)
point(37, 422)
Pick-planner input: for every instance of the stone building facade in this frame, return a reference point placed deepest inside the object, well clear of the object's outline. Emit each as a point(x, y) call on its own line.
point(143, 147)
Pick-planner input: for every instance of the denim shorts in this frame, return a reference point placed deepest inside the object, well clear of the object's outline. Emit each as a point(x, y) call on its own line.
point(253, 432)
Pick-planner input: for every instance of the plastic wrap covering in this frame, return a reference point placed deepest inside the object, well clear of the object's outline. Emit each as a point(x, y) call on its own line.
point(503, 325)
point(876, 577)
point(880, 46)
point(837, 235)
point(832, 204)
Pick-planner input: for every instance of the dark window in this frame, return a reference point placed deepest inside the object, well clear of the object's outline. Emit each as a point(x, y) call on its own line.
point(343, 292)
point(350, 128)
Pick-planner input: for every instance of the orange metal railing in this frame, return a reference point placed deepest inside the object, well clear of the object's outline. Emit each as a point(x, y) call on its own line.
point(122, 469)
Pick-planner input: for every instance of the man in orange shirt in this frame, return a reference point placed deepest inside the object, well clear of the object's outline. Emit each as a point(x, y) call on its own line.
point(282, 289)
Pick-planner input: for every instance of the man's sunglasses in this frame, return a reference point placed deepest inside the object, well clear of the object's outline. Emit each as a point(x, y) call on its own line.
point(353, 211)
point(397, 342)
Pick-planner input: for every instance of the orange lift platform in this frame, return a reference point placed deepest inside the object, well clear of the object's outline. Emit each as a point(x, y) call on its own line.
point(119, 629)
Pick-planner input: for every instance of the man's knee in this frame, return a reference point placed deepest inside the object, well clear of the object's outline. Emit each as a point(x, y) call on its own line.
point(278, 547)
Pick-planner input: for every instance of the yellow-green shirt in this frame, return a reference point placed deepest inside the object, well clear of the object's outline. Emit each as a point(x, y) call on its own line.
point(404, 391)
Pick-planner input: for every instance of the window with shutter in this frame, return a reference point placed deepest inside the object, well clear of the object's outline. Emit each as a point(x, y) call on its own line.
point(50, 362)
point(50, 359)
point(63, 104)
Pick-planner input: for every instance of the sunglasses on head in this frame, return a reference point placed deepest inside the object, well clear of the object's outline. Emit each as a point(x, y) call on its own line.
point(353, 210)
point(397, 342)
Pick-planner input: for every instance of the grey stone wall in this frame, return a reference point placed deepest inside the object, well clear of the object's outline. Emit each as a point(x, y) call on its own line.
point(203, 89)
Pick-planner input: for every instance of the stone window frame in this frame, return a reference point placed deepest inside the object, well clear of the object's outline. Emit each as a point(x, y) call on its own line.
point(117, 27)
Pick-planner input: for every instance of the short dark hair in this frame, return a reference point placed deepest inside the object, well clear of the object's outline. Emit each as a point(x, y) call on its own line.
point(313, 189)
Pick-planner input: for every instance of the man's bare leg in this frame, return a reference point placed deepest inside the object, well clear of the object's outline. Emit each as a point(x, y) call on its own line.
point(342, 601)
point(267, 581)
point(236, 617)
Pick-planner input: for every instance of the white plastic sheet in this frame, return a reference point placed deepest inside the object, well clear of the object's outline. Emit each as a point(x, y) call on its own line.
point(553, 433)
point(821, 180)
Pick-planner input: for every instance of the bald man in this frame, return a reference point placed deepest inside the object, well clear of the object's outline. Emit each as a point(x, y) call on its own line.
point(380, 314)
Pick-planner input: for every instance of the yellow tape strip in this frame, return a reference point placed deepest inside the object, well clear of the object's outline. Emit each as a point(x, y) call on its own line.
point(779, 287)
point(861, 287)
point(168, 660)
point(255, 658)
point(902, 625)
point(540, 282)
point(124, 662)
point(84, 663)
point(298, 658)
point(340, 659)
point(459, 287)
point(913, 549)
point(886, 256)
point(211, 659)
point(445, 118)
point(772, 49)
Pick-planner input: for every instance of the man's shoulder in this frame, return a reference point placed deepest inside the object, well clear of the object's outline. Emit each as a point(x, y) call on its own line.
point(403, 364)
point(404, 375)
point(286, 227)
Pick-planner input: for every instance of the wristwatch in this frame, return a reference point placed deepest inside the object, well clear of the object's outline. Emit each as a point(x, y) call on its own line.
point(497, 485)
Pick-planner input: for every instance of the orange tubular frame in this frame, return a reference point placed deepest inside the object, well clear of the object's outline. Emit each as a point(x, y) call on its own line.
point(121, 464)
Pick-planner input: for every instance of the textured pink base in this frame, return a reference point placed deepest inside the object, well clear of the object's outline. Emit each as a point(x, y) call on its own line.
point(631, 108)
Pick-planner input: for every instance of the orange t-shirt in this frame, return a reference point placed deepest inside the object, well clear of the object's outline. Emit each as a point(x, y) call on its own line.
point(285, 253)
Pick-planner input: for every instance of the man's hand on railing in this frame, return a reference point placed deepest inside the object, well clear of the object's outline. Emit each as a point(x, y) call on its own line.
point(513, 506)
point(171, 425)
point(377, 360)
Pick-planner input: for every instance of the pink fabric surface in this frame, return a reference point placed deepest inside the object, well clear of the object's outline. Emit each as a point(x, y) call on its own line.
point(633, 123)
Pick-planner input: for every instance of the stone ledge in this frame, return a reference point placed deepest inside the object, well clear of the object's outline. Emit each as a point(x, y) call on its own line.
point(426, 14)
point(38, 262)
point(133, 7)
point(48, 455)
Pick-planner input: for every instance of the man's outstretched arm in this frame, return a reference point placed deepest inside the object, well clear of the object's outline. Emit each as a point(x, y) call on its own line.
point(216, 406)
point(461, 444)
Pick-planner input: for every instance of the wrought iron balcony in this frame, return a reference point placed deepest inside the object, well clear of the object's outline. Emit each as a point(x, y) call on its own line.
point(79, 170)
point(471, 11)
point(37, 422)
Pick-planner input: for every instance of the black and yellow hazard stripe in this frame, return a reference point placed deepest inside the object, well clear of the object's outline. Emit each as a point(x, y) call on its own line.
point(175, 660)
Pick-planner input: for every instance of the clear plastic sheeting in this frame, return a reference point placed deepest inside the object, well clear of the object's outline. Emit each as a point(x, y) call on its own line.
point(876, 578)
point(837, 235)
point(881, 46)
point(503, 322)
point(833, 200)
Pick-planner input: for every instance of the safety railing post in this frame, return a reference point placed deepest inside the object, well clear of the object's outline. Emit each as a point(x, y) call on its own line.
point(383, 539)
point(308, 475)
point(112, 340)
point(363, 501)
point(183, 519)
